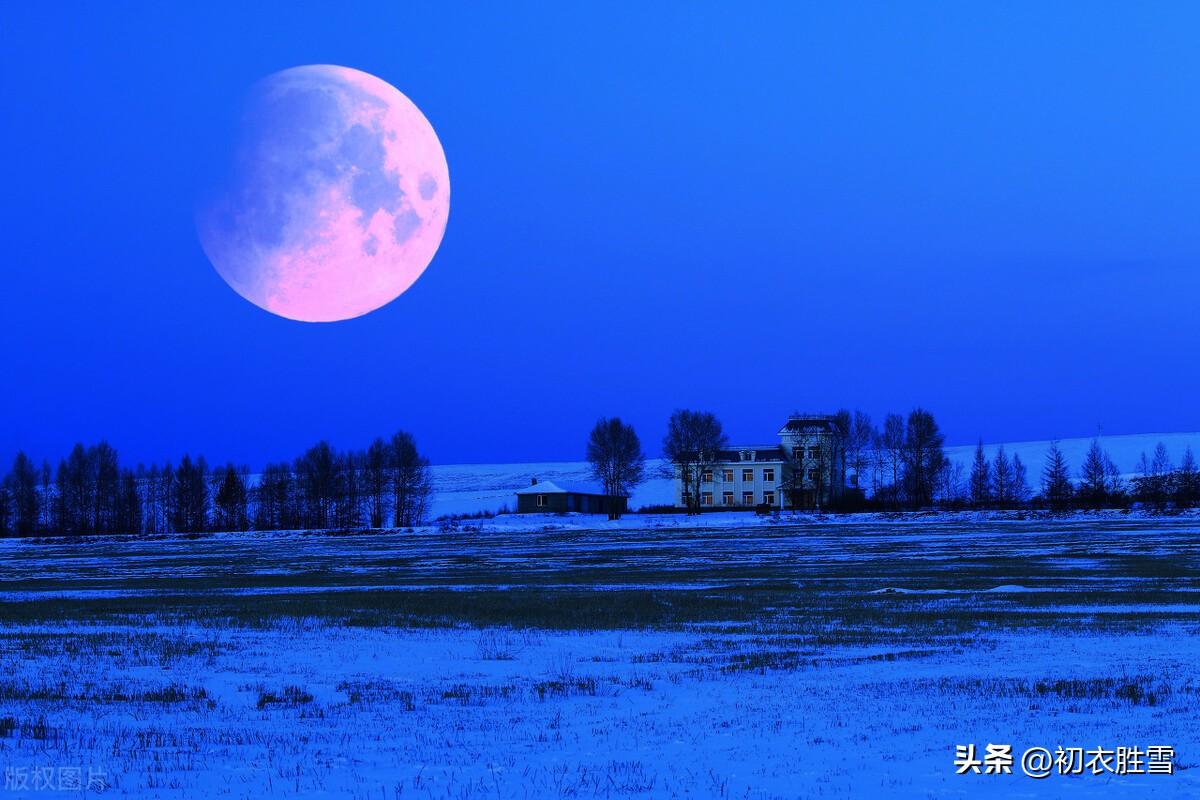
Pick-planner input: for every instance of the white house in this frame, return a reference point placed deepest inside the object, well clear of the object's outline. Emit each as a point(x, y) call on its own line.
point(807, 469)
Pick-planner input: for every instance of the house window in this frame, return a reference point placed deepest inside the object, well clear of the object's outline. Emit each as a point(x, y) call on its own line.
point(727, 475)
point(747, 498)
point(769, 498)
point(706, 476)
point(706, 498)
point(812, 474)
point(541, 501)
point(768, 474)
point(687, 499)
point(726, 498)
point(747, 474)
point(814, 452)
point(797, 453)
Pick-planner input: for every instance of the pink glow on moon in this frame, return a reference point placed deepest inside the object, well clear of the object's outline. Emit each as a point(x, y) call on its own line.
point(338, 199)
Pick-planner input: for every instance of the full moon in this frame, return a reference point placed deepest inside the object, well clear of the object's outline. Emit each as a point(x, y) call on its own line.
point(337, 198)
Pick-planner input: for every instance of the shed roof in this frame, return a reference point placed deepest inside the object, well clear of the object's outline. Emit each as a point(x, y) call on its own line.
point(560, 487)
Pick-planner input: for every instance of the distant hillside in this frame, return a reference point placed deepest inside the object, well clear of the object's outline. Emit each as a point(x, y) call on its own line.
point(470, 488)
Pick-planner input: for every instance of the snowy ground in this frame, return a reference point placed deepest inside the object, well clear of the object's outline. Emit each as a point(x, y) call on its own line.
point(827, 658)
point(471, 488)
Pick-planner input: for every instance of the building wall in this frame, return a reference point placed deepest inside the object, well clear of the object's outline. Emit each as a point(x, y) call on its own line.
point(738, 486)
point(807, 492)
point(564, 502)
point(828, 463)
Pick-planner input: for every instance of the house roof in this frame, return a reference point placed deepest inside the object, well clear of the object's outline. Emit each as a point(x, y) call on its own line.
point(561, 487)
point(761, 452)
point(809, 423)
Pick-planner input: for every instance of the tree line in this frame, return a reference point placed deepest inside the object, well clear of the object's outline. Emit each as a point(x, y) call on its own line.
point(386, 484)
point(905, 461)
point(902, 463)
point(1158, 484)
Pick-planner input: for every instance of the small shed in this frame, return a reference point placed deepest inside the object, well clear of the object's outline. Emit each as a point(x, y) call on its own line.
point(557, 497)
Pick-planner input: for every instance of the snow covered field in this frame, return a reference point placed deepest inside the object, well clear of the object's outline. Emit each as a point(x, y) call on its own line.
point(471, 488)
point(839, 657)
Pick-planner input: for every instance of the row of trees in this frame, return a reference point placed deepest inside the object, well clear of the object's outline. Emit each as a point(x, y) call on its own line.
point(999, 483)
point(905, 459)
point(902, 464)
point(1158, 484)
point(1002, 483)
point(388, 483)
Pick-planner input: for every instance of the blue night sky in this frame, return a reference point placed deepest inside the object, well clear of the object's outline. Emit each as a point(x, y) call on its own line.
point(991, 212)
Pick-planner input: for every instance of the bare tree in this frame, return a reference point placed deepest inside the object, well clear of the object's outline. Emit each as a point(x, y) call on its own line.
point(924, 457)
point(692, 444)
point(981, 478)
point(1161, 465)
point(858, 445)
point(891, 444)
point(412, 483)
point(23, 493)
point(276, 503)
point(1187, 481)
point(1020, 482)
point(376, 481)
point(1154, 484)
point(191, 497)
point(48, 499)
point(951, 483)
point(618, 463)
point(316, 477)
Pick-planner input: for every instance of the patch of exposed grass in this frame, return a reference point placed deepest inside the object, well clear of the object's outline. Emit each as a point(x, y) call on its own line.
point(290, 696)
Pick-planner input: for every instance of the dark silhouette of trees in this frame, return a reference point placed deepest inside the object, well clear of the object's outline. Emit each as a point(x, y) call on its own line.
point(843, 424)
point(617, 461)
point(1093, 483)
point(231, 500)
point(347, 504)
point(128, 511)
point(412, 483)
point(5, 509)
point(74, 492)
point(692, 445)
point(1100, 482)
point(316, 480)
point(1003, 480)
point(190, 496)
point(858, 444)
point(276, 506)
point(981, 479)
point(1056, 480)
point(376, 481)
point(22, 490)
point(1187, 481)
point(1157, 482)
point(46, 521)
point(90, 492)
point(923, 457)
point(891, 446)
point(1021, 491)
point(106, 477)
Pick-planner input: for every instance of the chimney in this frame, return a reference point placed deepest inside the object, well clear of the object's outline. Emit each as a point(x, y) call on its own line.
point(533, 482)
